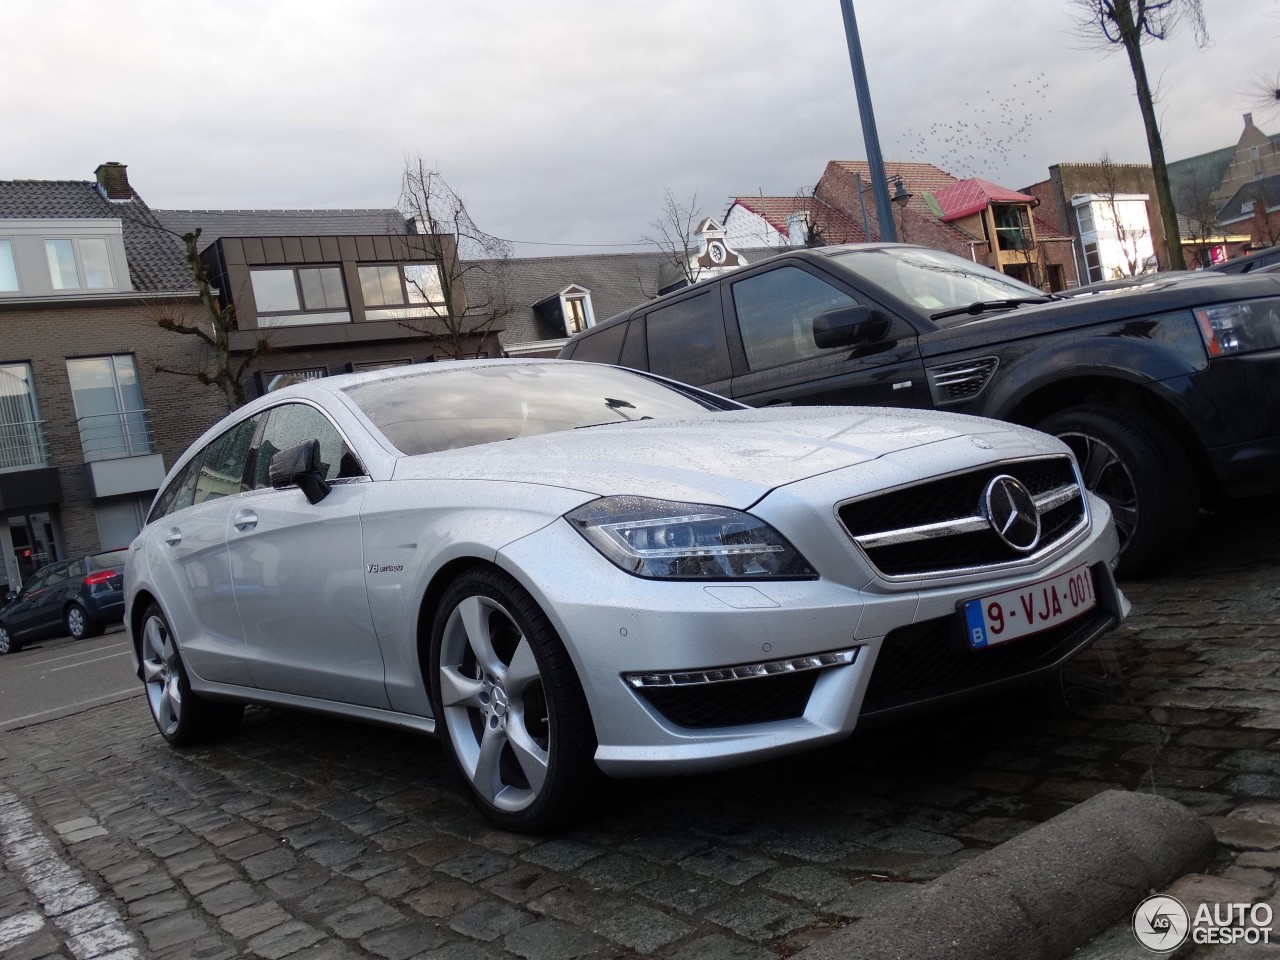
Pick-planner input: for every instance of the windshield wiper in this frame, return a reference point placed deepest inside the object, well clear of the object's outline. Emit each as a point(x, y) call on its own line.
point(982, 306)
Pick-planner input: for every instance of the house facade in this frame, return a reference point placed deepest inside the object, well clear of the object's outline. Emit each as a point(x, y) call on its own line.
point(88, 427)
point(334, 291)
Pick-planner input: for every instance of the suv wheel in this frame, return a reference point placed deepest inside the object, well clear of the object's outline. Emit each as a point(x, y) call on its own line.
point(1133, 462)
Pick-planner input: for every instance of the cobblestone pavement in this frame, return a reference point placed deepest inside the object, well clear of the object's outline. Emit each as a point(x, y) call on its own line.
point(309, 838)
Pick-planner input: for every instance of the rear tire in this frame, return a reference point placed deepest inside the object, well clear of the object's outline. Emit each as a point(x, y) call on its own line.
point(509, 707)
point(1133, 462)
point(7, 644)
point(79, 624)
point(182, 717)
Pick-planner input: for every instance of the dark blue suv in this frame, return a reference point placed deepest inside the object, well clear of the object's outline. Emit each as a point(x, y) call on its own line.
point(75, 597)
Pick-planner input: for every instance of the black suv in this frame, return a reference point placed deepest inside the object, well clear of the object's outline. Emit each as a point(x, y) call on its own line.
point(1167, 392)
point(75, 597)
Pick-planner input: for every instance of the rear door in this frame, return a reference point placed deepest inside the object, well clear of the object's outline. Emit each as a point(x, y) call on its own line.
point(19, 614)
point(686, 341)
point(770, 319)
point(45, 610)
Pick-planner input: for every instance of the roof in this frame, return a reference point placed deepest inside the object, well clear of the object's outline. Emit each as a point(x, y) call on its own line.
point(836, 226)
point(157, 262)
point(215, 224)
point(1267, 190)
point(919, 178)
point(966, 197)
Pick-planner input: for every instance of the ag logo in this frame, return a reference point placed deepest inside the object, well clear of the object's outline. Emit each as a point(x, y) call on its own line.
point(1161, 924)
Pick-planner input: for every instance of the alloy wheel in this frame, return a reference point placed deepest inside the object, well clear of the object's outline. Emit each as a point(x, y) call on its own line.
point(76, 623)
point(1107, 475)
point(5, 642)
point(494, 703)
point(160, 674)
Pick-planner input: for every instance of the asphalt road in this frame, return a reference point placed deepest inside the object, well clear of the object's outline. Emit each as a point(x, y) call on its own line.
point(60, 676)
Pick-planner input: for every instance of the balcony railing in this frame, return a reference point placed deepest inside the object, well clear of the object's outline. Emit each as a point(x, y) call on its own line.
point(109, 436)
point(23, 446)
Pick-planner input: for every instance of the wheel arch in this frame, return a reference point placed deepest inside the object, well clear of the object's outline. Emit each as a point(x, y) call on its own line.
point(430, 604)
point(1033, 407)
point(141, 601)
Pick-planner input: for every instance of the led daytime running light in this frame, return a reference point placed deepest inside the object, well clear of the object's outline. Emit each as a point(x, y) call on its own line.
point(747, 671)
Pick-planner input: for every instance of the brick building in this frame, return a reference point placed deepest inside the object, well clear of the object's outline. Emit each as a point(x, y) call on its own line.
point(87, 427)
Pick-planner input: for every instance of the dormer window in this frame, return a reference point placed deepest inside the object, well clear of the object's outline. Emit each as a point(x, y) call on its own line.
point(570, 310)
point(8, 270)
point(62, 257)
point(575, 315)
point(78, 263)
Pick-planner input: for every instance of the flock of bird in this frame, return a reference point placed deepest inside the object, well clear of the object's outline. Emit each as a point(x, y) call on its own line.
point(981, 137)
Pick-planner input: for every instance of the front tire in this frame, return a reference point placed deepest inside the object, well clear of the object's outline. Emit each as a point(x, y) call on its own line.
point(7, 644)
point(509, 707)
point(182, 717)
point(1133, 462)
point(79, 624)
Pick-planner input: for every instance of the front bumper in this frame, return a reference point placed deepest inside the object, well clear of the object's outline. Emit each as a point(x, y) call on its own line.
point(617, 627)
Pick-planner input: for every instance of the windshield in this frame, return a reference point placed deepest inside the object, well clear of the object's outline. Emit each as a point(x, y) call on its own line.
point(461, 407)
point(932, 280)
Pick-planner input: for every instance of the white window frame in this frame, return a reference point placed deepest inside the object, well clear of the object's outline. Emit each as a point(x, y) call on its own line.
point(30, 260)
point(582, 295)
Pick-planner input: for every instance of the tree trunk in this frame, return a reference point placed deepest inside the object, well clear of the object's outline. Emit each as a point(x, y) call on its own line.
point(1132, 35)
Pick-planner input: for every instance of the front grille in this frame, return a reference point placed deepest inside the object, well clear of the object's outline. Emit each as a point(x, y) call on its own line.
point(734, 703)
point(886, 525)
point(927, 660)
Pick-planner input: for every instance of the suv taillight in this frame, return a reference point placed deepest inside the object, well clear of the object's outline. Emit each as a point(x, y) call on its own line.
point(101, 576)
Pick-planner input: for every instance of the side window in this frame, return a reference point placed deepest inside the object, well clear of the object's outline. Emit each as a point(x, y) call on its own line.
point(775, 315)
point(634, 354)
point(180, 491)
point(686, 340)
point(76, 570)
point(36, 581)
point(222, 467)
point(292, 423)
point(57, 575)
point(603, 346)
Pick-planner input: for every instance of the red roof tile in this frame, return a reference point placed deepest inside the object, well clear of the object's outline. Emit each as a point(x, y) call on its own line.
point(967, 197)
point(835, 225)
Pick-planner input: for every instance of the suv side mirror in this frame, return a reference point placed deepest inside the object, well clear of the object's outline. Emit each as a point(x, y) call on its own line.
point(300, 466)
point(848, 326)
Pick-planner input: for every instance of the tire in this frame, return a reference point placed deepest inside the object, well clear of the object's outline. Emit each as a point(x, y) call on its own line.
point(80, 626)
point(1133, 462)
point(518, 730)
point(182, 717)
point(7, 643)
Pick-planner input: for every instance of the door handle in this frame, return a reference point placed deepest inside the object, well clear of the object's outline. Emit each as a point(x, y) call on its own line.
point(246, 521)
point(174, 538)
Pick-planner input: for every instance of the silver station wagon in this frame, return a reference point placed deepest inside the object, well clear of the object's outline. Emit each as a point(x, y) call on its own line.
point(562, 569)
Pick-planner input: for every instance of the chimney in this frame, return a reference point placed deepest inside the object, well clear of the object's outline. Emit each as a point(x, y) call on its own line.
point(1248, 119)
point(113, 181)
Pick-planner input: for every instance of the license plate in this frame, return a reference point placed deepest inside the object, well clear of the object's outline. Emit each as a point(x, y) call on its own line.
point(1028, 610)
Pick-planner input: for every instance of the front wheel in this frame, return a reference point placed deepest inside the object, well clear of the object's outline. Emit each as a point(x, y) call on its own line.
point(79, 624)
point(509, 708)
point(182, 717)
point(6, 641)
point(1133, 462)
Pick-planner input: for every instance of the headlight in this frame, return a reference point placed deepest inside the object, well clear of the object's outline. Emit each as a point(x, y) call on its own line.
point(687, 541)
point(1243, 327)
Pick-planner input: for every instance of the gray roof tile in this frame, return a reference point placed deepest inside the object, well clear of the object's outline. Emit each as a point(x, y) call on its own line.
point(156, 258)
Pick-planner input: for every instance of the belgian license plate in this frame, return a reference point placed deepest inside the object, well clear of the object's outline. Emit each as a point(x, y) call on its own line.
point(1028, 610)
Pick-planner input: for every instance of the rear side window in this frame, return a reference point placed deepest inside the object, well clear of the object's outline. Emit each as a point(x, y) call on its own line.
point(603, 346)
point(222, 468)
point(180, 491)
point(686, 340)
point(775, 315)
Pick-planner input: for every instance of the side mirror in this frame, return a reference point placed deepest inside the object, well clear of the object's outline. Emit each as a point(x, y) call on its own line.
point(847, 327)
point(300, 466)
point(7, 598)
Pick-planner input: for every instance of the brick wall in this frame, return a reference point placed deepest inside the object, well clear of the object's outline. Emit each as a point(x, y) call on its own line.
point(181, 408)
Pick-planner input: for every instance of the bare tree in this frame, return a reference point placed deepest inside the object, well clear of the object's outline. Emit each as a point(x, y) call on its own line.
point(1264, 94)
point(1265, 224)
point(1129, 236)
point(1200, 214)
point(212, 326)
point(1129, 24)
point(461, 301)
point(675, 233)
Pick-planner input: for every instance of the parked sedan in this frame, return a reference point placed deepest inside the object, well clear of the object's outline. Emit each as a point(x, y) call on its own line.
point(564, 568)
point(78, 598)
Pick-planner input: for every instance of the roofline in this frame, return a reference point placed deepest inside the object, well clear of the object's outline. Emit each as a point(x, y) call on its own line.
point(128, 296)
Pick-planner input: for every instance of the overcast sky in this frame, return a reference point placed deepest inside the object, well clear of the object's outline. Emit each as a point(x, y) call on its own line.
point(562, 120)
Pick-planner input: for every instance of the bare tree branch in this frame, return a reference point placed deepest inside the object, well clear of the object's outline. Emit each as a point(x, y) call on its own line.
point(675, 231)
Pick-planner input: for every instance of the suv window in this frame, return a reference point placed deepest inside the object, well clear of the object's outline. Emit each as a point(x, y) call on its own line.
point(602, 347)
point(222, 467)
point(775, 315)
point(686, 340)
point(290, 424)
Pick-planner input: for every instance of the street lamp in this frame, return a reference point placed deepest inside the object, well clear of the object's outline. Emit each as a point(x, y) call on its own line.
point(900, 198)
point(869, 136)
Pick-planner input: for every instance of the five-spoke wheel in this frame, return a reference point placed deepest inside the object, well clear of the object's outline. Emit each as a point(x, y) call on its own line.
point(181, 716)
point(510, 709)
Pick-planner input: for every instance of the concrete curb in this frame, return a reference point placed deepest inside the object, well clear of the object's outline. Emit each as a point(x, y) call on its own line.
point(1040, 895)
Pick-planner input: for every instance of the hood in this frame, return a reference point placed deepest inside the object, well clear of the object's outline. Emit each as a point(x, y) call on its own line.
point(731, 458)
point(1159, 294)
